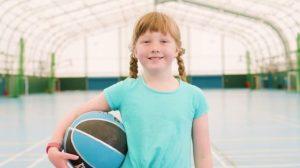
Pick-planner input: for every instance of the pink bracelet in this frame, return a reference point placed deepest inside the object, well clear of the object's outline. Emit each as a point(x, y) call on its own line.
point(53, 144)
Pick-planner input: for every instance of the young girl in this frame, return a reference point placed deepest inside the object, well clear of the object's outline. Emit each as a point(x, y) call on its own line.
point(161, 114)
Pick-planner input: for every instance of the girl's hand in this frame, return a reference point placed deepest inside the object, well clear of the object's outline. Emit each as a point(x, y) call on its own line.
point(60, 159)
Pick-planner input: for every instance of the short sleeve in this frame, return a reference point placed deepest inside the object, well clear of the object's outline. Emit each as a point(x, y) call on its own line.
point(201, 106)
point(114, 95)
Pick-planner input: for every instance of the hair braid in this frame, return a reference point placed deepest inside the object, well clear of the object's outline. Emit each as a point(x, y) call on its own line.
point(181, 68)
point(133, 67)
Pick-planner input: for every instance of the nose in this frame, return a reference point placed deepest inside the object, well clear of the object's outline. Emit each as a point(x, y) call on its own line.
point(155, 48)
point(153, 51)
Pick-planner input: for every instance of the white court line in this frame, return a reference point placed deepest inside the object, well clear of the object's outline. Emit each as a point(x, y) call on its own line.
point(39, 160)
point(257, 151)
point(266, 155)
point(223, 164)
point(24, 151)
point(219, 159)
point(259, 139)
point(275, 165)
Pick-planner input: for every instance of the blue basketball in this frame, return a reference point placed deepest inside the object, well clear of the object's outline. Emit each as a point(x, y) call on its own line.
point(98, 138)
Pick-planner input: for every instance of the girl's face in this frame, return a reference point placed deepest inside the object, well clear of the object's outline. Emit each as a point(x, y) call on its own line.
point(156, 51)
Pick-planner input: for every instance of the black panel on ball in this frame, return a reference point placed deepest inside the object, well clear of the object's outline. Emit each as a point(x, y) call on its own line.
point(107, 132)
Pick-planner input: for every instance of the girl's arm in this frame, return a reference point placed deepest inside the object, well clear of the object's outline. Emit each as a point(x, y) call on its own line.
point(59, 159)
point(201, 143)
point(98, 103)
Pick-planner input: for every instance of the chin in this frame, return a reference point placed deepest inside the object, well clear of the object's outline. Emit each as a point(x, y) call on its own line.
point(156, 69)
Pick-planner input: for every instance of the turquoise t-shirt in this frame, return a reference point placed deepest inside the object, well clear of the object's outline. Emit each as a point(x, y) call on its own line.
point(158, 124)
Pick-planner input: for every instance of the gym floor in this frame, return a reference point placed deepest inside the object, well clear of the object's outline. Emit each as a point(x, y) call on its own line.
point(255, 129)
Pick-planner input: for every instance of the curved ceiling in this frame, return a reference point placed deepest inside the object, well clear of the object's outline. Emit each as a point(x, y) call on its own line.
point(268, 29)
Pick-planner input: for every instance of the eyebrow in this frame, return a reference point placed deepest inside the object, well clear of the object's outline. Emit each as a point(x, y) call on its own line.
point(148, 36)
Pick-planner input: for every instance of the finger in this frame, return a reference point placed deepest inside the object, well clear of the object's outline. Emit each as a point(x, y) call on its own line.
point(69, 156)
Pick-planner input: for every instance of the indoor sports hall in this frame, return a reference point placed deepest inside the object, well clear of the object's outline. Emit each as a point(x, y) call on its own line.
point(243, 54)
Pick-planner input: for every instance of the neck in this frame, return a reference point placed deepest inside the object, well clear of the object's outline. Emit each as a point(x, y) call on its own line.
point(160, 77)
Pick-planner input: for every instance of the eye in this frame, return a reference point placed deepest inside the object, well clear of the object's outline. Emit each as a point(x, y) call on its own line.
point(146, 41)
point(164, 41)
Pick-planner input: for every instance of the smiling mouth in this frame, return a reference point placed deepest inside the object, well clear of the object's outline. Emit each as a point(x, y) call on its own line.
point(155, 58)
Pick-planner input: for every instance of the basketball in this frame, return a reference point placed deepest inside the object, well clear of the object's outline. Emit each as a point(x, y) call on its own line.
point(98, 138)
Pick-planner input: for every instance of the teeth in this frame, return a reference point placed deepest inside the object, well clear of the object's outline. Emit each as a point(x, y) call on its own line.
point(155, 58)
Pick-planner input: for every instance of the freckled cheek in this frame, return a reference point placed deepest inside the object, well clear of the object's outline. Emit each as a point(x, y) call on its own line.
point(142, 56)
point(170, 54)
point(139, 53)
point(143, 59)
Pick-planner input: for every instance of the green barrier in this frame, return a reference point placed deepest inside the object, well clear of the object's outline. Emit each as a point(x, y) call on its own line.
point(298, 63)
point(51, 79)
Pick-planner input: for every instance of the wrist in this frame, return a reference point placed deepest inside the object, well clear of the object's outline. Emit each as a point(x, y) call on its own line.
point(53, 145)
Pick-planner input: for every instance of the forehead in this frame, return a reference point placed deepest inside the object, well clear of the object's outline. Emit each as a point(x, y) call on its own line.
point(155, 34)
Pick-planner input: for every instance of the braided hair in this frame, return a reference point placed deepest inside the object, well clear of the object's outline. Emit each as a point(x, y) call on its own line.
point(156, 22)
